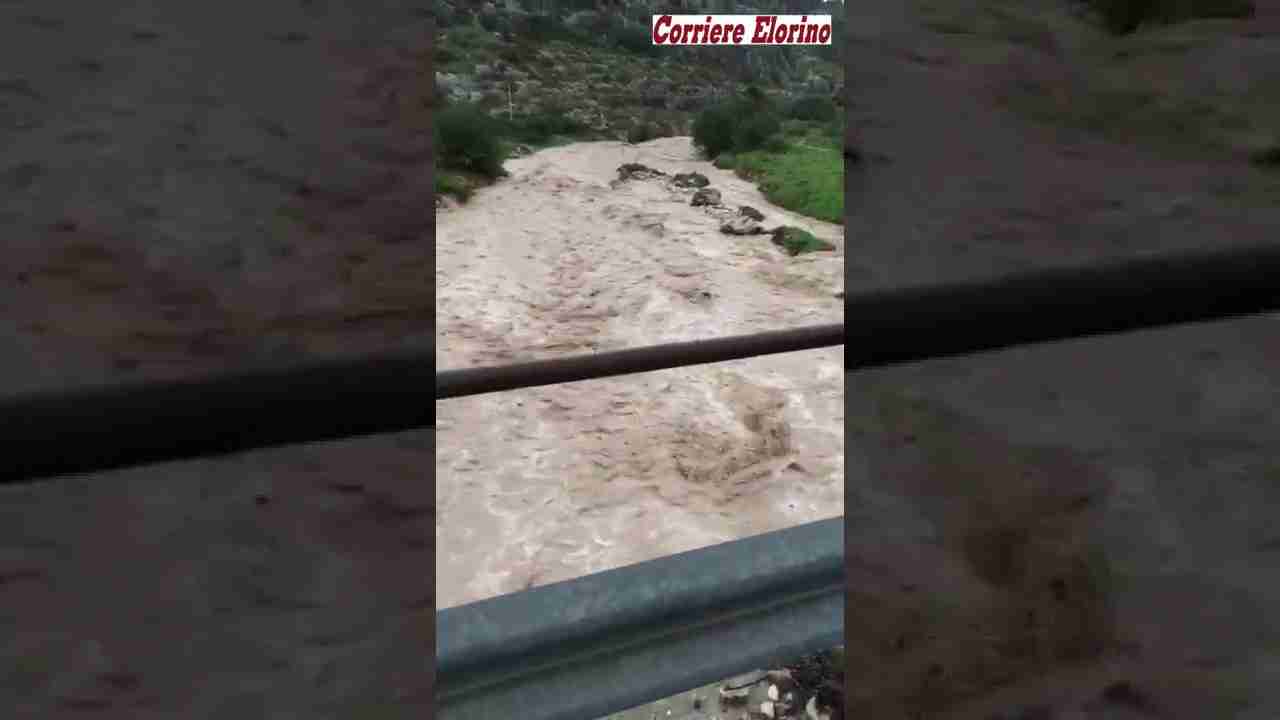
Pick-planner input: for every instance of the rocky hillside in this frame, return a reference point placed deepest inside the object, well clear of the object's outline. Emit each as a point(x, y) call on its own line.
point(600, 68)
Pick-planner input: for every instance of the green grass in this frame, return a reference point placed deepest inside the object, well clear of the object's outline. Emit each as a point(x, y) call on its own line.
point(803, 178)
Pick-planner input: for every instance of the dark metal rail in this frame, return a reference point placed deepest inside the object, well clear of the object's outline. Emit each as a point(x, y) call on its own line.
point(474, 381)
point(912, 324)
point(606, 642)
point(104, 428)
point(137, 423)
point(393, 392)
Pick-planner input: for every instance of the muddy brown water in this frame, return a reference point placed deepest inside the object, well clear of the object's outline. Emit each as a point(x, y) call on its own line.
point(547, 484)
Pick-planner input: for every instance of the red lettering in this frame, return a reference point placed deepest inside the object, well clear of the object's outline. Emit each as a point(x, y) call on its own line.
point(824, 34)
point(659, 38)
point(715, 34)
point(762, 35)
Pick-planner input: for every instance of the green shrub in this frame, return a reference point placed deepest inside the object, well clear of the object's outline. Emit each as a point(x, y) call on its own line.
point(739, 125)
point(470, 37)
point(1125, 16)
point(713, 129)
point(491, 100)
point(756, 131)
point(816, 108)
point(466, 138)
point(519, 53)
point(543, 28)
point(632, 38)
point(449, 184)
point(540, 127)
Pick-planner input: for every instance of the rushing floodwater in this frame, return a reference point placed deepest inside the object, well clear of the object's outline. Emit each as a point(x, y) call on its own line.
point(547, 484)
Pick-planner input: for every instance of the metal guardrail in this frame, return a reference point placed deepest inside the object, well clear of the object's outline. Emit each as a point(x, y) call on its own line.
point(609, 641)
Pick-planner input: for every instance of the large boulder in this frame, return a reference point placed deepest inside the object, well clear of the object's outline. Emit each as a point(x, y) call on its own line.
point(705, 197)
point(655, 101)
point(741, 226)
point(690, 180)
point(487, 72)
point(797, 241)
point(636, 171)
point(457, 87)
point(655, 94)
point(818, 85)
point(689, 103)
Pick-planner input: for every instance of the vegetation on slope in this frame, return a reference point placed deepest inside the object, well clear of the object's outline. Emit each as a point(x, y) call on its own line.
point(547, 79)
point(792, 152)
